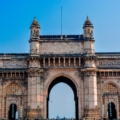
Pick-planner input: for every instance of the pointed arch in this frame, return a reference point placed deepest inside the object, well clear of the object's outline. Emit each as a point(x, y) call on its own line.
point(13, 89)
point(110, 88)
point(62, 75)
point(67, 80)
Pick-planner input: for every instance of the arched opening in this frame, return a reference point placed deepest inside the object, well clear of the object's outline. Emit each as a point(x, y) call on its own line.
point(34, 32)
point(110, 89)
point(110, 92)
point(111, 111)
point(91, 32)
point(37, 32)
point(88, 31)
point(12, 112)
point(61, 103)
point(13, 89)
point(73, 87)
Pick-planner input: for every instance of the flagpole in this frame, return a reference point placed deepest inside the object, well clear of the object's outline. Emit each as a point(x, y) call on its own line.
point(61, 21)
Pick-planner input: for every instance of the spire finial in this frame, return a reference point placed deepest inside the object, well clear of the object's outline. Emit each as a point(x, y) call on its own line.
point(34, 17)
point(87, 17)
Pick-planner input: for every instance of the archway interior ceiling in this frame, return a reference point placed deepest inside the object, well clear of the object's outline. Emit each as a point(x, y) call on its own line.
point(66, 81)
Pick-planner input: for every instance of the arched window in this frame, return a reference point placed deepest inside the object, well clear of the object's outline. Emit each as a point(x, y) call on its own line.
point(37, 32)
point(34, 32)
point(13, 89)
point(88, 30)
point(110, 89)
point(91, 32)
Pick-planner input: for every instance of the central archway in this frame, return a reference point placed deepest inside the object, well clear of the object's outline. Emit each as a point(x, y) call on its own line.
point(73, 87)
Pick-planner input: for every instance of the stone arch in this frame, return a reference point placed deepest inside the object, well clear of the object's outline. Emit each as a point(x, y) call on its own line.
point(61, 75)
point(13, 89)
point(110, 88)
point(62, 78)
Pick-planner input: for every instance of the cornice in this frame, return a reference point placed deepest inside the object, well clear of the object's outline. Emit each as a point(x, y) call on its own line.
point(88, 69)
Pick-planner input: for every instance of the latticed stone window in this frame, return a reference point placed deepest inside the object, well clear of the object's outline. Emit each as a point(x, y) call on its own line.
point(13, 89)
point(110, 89)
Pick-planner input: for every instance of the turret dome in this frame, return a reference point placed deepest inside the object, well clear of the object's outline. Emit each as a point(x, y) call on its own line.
point(35, 23)
point(87, 23)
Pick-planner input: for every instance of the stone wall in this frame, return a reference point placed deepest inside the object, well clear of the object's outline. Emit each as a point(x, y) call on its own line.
point(61, 47)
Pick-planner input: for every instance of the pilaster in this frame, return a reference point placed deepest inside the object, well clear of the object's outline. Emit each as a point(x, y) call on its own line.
point(35, 89)
point(91, 109)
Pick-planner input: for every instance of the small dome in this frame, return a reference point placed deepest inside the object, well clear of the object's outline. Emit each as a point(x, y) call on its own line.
point(35, 23)
point(87, 23)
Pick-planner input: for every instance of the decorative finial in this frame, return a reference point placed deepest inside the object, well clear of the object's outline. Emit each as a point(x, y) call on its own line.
point(34, 17)
point(87, 17)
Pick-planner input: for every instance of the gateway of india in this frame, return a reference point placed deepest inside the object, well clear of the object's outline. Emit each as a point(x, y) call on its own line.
point(26, 79)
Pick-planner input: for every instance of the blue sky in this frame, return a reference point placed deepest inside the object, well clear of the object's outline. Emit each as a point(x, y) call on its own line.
point(17, 15)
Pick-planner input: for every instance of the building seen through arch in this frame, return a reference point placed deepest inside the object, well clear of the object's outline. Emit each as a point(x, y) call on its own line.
point(26, 79)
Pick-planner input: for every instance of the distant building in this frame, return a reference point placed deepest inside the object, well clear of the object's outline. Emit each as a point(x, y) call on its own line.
point(27, 78)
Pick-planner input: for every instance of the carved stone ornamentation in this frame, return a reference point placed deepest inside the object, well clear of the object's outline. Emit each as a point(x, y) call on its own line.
point(108, 63)
point(14, 64)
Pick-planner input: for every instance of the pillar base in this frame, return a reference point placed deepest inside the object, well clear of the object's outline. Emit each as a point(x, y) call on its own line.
point(92, 113)
point(34, 113)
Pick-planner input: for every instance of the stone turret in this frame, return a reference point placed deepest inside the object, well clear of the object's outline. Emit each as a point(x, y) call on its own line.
point(34, 78)
point(35, 29)
point(35, 38)
point(88, 37)
point(90, 75)
point(88, 28)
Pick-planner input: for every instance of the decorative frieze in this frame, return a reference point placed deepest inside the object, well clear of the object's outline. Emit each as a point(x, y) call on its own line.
point(42, 73)
point(13, 64)
point(108, 63)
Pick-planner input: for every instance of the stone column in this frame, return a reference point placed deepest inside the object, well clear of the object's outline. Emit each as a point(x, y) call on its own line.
point(34, 91)
point(35, 97)
point(91, 106)
point(90, 88)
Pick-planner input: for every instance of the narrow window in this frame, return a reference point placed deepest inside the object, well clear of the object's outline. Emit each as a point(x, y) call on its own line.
point(88, 30)
point(34, 31)
point(37, 32)
point(91, 32)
